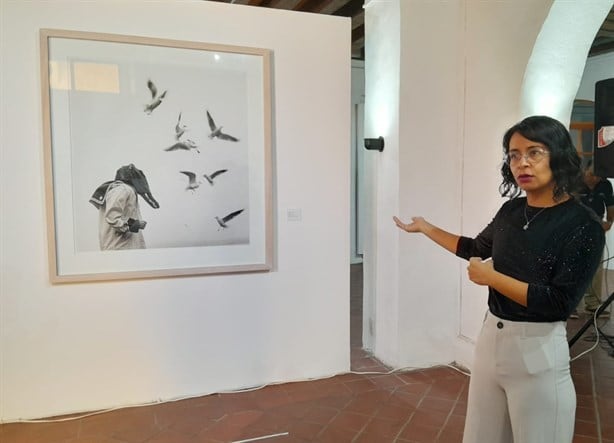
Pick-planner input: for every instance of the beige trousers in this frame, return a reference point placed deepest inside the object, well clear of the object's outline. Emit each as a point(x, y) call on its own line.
point(521, 389)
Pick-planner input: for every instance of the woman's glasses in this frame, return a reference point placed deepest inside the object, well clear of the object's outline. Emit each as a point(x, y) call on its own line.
point(533, 156)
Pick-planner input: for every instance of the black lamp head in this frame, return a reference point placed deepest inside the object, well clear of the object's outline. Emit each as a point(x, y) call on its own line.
point(375, 144)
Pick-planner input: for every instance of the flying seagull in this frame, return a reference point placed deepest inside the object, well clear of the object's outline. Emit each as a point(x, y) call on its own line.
point(179, 128)
point(215, 174)
point(155, 98)
point(216, 131)
point(222, 221)
point(192, 182)
point(183, 146)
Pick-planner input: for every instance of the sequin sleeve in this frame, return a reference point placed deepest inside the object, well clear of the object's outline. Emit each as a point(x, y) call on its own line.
point(577, 261)
point(480, 246)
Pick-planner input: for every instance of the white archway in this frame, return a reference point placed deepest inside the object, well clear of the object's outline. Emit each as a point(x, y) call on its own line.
point(556, 65)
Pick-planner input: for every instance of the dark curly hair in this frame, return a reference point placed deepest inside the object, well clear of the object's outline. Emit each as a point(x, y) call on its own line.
point(564, 159)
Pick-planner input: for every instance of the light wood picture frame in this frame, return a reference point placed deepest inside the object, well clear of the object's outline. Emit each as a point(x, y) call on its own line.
point(194, 117)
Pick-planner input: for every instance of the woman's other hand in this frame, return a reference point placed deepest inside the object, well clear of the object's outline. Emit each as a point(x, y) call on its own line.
point(480, 271)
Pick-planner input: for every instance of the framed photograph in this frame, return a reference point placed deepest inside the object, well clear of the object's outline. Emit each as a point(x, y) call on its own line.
point(157, 156)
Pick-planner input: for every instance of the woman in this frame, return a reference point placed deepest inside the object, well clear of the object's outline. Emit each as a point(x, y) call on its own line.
point(543, 250)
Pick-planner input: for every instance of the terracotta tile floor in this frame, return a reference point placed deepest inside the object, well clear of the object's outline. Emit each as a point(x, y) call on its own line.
point(419, 406)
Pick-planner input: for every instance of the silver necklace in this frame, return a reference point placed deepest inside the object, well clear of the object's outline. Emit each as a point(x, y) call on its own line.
point(528, 222)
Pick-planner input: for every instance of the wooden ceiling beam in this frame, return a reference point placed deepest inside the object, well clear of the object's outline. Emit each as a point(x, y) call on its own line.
point(264, 3)
point(358, 33)
point(601, 49)
point(350, 9)
point(310, 5)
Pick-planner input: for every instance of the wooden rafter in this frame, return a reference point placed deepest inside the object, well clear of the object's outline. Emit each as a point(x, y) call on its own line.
point(603, 42)
point(310, 5)
point(350, 9)
point(358, 33)
point(265, 3)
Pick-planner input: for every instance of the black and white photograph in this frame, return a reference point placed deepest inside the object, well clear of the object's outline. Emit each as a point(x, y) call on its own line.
point(158, 156)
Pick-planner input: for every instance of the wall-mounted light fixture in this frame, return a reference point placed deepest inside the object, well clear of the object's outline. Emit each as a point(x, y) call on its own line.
point(375, 144)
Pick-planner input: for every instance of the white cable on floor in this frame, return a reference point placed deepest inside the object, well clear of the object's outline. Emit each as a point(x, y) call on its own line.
point(238, 391)
point(262, 438)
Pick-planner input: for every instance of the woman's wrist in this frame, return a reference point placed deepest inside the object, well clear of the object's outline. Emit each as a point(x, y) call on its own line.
point(426, 227)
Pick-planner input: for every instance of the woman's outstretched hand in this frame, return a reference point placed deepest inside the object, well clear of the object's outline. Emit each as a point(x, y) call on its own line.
point(443, 238)
point(417, 224)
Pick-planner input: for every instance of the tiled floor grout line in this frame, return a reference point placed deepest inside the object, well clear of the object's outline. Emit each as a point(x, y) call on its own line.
point(325, 426)
point(595, 402)
point(396, 437)
point(458, 396)
point(370, 419)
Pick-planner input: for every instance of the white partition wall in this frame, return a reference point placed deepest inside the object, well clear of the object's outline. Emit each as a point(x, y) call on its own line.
point(444, 80)
point(79, 347)
point(500, 37)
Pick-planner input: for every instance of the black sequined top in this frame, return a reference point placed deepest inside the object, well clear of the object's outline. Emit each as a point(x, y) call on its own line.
point(556, 255)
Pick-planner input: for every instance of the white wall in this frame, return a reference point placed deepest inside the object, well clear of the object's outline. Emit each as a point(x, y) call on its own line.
point(499, 40)
point(443, 159)
point(382, 100)
point(431, 116)
point(554, 71)
point(441, 162)
point(68, 348)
